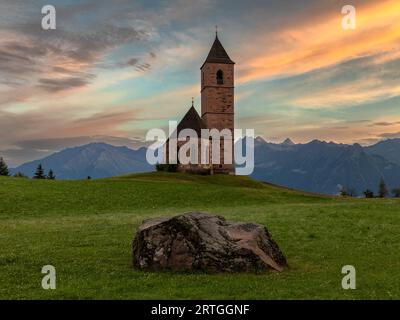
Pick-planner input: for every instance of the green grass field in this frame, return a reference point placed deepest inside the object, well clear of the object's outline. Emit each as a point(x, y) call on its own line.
point(85, 230)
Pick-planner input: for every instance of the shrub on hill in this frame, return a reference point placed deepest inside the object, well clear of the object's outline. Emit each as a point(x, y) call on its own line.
point(19, 174)
point(368, 193)
point(167, 167)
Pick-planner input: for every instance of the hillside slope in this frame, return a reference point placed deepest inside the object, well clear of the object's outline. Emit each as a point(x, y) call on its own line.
point(85, 229)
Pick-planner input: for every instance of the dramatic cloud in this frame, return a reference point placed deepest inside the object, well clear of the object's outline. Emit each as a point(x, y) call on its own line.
point(385, 124)
point(320, 41)
point(54, 85)
point(119, 67)
point(62, 59)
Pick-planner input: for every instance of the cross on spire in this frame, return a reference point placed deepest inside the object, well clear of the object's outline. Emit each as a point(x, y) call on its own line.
point(192, 102)
point(216, 31)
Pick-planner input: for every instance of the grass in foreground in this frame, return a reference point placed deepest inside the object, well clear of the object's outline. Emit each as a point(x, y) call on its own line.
point(85, 229)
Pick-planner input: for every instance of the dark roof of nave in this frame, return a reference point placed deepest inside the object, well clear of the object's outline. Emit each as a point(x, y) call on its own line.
point(192, 120)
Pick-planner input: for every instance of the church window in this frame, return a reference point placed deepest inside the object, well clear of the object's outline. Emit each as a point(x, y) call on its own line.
point(220, 77)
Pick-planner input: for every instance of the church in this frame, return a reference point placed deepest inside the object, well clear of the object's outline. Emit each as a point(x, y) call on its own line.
point(217, 112)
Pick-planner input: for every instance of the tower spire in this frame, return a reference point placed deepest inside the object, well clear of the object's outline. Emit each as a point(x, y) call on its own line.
point(217, 52)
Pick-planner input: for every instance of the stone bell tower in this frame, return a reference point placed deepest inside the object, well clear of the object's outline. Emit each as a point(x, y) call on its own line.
point(217, 97)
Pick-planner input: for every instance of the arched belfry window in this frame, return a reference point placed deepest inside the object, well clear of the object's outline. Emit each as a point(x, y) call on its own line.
point(220, 77)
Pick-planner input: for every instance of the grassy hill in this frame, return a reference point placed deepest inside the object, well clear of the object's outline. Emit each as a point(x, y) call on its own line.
point(85, 229)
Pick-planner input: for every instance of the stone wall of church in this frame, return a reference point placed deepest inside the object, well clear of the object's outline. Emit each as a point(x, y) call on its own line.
point(217, 98)
point(217, 105)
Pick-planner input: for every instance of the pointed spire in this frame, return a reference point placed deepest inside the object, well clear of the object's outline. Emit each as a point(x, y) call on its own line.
point(217, 53)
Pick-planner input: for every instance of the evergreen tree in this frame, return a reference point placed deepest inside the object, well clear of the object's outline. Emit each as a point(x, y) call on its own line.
point(3, 168)
point(39, 173)
point(383, 191)
point(51, 175)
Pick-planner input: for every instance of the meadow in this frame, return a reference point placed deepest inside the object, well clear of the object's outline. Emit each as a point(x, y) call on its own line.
point(85, 230)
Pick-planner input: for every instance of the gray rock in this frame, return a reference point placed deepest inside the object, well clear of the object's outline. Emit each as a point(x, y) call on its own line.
point(200, 241)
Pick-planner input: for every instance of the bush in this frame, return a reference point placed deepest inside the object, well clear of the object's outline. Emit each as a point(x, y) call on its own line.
point(343, 192)
point(166, 167)
point(19, 174)
point(368, 193)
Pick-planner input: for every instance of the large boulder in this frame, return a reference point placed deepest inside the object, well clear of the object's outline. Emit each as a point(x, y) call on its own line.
point(200, 241)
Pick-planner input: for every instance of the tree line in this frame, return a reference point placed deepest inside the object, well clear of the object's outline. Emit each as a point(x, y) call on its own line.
point(383, 191)
point(39, 172)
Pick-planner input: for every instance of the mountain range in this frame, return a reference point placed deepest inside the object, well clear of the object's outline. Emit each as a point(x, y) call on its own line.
point(317, 166)
point(324, 167)
point(97, 160)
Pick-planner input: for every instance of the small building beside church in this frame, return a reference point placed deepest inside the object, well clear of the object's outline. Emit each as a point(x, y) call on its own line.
point(217, 110)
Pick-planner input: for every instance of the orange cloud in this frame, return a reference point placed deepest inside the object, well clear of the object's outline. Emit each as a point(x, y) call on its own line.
point(344, 95)
point(321, 43)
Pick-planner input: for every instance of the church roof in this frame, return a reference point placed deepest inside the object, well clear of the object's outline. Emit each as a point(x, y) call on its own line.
point(192, 120)
point(218, 54)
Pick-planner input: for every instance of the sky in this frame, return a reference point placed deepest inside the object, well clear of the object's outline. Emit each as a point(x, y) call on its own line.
point(114, 69)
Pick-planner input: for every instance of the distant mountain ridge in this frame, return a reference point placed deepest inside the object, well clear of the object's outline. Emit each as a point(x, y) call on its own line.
point(97, 160)
point(389, 149)
point(325, 167)
point(317, 166)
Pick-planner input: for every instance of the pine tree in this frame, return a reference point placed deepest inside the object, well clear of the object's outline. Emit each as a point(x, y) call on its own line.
point(39, 173)
point(3, 168)
point(51, 175)
point(383, 192)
